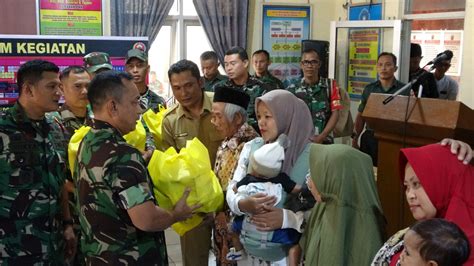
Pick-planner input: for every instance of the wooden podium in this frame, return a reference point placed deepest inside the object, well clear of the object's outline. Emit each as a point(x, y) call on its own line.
point(427, 121)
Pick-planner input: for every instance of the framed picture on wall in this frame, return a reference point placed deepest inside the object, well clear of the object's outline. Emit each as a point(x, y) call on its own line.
point(284, 27)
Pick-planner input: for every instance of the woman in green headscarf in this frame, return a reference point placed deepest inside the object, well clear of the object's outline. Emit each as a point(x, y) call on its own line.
point(346, 226)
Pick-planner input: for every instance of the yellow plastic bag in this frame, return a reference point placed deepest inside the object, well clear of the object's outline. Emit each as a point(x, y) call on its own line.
point(173, 172)
point(153, 121)
point(137, 138)
point(73, 146)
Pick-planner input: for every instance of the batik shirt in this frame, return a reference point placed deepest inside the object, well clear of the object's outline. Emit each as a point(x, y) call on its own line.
point(228, 153)
point(390, 250)
point(112, 178)
point(254, 88)
point(272, 80)
point(322, 99)
point(32, 173)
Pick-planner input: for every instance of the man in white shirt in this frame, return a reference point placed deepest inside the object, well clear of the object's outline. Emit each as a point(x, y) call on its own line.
point(447, 87)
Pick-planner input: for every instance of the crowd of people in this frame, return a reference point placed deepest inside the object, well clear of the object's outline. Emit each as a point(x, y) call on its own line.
point(292, 196)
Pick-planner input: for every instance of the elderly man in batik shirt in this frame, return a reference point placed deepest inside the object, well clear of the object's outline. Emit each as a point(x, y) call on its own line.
point(229, 116)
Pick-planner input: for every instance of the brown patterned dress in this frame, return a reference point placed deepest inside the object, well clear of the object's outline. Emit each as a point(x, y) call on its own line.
point(227, 158)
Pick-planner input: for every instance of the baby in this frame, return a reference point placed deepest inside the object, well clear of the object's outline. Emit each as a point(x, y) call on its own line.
point(264, 177)
point(435, 242)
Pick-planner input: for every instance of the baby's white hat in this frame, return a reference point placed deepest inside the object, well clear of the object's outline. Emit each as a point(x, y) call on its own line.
point(268, 159)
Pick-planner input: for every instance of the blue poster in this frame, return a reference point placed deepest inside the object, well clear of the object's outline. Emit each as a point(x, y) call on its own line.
point(284, 27)
point(366, 12)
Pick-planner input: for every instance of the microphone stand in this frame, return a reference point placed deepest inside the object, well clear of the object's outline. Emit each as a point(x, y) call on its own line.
point(408, 85)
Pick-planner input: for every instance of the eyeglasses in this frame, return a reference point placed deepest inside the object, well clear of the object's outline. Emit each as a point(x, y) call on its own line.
point(310, 63)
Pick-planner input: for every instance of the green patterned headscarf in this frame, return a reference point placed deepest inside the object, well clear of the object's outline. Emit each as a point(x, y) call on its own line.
point(347, 228)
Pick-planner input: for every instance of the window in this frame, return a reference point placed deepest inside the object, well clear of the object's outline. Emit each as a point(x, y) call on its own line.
point(181, 37)
point(438, 25)
point(434, 6)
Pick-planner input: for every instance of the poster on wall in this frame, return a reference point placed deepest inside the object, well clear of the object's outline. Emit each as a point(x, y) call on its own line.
point(67, 51)
point(365, 12)
point(364, 47)
point(284, 27)
point(433, 42)
point(70, 17)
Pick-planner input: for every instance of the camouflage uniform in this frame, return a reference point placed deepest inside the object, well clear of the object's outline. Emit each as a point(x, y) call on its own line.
point(322, 99)
point(32, 173)
point(112, 178)
point(209, 84)
point(272, 80)
point(150, 100)
point(72, 123)
point(254, 88)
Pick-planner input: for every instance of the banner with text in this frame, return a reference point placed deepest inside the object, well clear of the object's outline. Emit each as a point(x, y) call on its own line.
point(18, 49)
point(364, 45)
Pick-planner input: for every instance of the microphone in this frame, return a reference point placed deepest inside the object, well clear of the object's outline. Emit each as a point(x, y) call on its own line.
point(446, 55)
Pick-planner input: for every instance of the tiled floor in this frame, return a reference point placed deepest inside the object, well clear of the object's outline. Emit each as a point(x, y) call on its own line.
point(174, 249)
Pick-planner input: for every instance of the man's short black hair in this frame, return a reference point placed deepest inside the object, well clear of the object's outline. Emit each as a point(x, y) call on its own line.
point(442, 241)
point(184, 65)
point(238, 50)
point(72, 69)
point(394, 58)
point(32, 72)
point(262, 51)
point(415, 50)
point(105, 85)
point(209, 55)
point(310, 50)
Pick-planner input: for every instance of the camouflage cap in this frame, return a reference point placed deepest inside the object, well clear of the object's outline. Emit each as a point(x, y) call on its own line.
point(136, 53)
point(97, 60)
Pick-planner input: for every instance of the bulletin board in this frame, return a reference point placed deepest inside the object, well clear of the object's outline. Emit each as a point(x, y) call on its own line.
point(284, 27)
point(70, 17)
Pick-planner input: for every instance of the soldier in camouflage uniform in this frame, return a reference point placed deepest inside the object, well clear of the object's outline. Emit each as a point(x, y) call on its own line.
point(120, 221)
point(261, 62)
point(236, 62)
point(136, 64)
point(74, 113)
point(320, 94)
point(32, 173)
point(210, 70)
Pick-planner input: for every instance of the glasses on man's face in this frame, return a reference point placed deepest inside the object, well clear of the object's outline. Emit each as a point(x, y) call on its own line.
point(310, 62)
